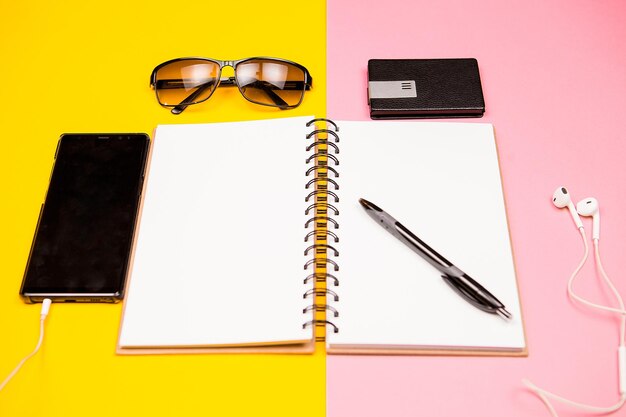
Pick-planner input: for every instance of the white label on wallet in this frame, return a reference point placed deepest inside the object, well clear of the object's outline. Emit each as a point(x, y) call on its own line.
point(392, 89)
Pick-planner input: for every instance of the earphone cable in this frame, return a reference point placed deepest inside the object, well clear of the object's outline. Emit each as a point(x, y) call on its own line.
point(546, 395)
point(618, 297)
point(572, 294)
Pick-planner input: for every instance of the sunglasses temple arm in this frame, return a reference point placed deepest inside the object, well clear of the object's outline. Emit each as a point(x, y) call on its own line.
point(273, 96)
point(280, 103)
point(229, 82)
point(190, 98)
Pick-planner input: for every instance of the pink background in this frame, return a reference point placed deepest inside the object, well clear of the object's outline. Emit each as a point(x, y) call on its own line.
point(554, 79)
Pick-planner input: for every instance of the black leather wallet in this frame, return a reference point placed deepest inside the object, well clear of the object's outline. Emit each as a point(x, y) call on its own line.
point(424, 88)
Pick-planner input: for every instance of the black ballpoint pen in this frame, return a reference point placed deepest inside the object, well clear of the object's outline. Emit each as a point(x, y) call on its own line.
point(462, 283)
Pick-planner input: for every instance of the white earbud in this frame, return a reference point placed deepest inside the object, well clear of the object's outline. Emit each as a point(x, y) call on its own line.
point(590, 207)
point(561, 199)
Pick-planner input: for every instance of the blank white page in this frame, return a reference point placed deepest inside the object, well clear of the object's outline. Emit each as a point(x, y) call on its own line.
point(441, 181)
point(220, 251)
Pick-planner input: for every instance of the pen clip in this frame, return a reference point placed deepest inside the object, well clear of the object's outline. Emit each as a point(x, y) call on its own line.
point(463, 287)
point(477, 295)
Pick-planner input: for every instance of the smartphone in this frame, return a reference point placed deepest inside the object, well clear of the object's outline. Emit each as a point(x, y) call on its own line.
point(84, 236)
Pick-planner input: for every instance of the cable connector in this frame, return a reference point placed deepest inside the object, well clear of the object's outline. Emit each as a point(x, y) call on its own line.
point(45, 308)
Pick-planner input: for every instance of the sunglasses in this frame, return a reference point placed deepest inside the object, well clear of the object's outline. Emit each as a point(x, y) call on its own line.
point(273, 82)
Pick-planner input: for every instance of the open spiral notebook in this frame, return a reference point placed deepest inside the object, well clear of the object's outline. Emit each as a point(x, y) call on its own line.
point(252, 239)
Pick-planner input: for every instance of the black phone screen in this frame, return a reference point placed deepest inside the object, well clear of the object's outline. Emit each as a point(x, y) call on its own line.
point(85, 232)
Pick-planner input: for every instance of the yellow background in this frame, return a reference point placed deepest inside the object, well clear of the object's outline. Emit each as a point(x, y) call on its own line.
point(84, 66)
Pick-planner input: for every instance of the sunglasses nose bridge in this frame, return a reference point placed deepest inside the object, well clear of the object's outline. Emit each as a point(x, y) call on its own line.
point(227, 80)
point(230, 64)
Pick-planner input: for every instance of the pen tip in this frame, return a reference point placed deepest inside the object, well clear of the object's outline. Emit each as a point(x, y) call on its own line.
point(368, 205)
point(504, 314)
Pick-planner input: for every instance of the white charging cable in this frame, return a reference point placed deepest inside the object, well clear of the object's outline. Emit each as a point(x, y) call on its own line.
point(621, 351)
point(45, 308)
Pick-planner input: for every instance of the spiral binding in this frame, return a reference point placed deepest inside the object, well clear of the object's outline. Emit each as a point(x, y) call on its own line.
point(322, 175)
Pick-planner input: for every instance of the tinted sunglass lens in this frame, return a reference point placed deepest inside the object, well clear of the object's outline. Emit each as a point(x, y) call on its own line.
point(271, 82)
point(187, 81)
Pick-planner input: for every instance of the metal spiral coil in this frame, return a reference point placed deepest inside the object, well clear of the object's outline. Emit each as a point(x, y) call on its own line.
point(321, 164)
